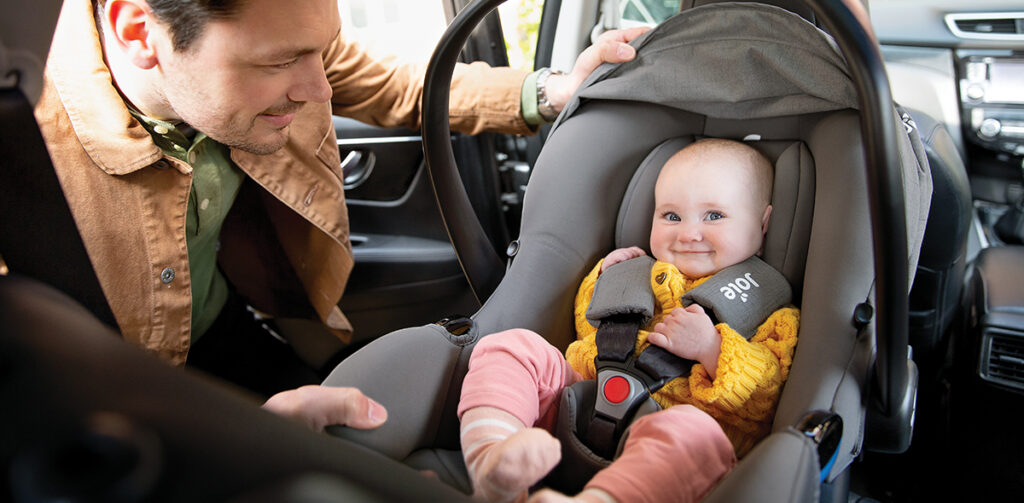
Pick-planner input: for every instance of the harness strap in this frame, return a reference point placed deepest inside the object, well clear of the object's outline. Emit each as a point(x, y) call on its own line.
point(616, 338)
point(662, 365)
point(625, 382)
point(623, 289)
point(742, 295)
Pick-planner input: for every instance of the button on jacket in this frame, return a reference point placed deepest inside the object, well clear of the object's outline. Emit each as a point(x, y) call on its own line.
point(284, 245)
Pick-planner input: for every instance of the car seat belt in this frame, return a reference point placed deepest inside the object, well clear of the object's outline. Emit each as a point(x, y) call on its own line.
point(622, 303)
point(743, 296)
point(38, 236)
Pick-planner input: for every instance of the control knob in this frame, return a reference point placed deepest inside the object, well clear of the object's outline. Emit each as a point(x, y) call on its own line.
point(989, 128)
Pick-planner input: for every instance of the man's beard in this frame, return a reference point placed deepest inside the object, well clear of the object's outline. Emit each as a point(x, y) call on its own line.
point(241, 142)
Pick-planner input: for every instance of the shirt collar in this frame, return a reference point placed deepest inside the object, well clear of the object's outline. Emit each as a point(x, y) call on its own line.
point(175, 139)
point(118, 143)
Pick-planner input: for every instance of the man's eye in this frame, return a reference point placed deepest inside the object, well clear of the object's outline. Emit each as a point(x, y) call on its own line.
point(285, 65)
point(713, 215)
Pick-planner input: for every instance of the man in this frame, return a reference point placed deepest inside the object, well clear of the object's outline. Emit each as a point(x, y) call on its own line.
point(194, 143)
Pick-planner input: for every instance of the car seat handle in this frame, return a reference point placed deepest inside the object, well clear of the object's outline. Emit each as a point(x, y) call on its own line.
point(480, 262)
point(848, 23)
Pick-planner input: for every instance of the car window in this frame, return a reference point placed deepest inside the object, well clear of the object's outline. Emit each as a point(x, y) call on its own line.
point(649, 12)
point(408, 29)
point(520, 20)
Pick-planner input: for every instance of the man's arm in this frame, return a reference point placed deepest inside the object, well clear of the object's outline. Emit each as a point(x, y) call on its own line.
point(388, 94)
point(611, 47)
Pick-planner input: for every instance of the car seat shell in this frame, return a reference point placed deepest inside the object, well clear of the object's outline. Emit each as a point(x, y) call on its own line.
point(586, 167)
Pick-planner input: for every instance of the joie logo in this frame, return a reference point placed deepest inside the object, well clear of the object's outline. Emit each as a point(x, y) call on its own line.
point(738, 287)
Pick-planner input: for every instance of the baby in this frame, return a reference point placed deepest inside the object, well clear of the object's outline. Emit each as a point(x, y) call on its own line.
point(712, 206)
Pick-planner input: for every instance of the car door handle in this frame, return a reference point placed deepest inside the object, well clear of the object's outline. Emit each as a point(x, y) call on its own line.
point(356, 167)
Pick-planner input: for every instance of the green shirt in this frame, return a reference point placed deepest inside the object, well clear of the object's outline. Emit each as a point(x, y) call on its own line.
point(215, 183)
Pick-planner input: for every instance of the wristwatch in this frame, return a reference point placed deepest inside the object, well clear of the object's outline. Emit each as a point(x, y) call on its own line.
point(544, 108)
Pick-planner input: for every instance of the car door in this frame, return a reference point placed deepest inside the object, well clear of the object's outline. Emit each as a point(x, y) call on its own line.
point(406, 272)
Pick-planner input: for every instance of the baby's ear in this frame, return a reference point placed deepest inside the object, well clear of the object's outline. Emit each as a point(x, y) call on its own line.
point(765, 218)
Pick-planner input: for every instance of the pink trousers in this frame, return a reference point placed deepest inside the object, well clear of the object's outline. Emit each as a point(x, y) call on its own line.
point(521, 373)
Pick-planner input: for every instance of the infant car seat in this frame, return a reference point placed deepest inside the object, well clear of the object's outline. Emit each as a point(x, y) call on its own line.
point(740, 71)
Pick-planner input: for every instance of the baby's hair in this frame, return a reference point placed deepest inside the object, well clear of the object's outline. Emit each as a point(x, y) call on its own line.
point(762, 170)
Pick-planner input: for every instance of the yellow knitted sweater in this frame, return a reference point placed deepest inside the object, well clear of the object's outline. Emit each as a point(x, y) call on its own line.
point(743, 396)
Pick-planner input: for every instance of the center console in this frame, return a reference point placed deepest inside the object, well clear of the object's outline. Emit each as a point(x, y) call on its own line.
point(997, 317)
point(992, 98)
point(991, 86)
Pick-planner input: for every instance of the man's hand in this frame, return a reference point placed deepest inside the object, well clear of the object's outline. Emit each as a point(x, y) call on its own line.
point(621, 255)
point(611, 47)
point(687, 332)
point(320, 406)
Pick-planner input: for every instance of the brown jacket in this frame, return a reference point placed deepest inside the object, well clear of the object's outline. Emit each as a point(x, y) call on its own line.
point(285, 244)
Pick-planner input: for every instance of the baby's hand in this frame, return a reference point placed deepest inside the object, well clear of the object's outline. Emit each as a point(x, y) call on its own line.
point(687, 332)
point(621, 255)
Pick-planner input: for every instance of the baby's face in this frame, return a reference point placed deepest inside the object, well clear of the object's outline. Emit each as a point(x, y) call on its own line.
point(706, 217)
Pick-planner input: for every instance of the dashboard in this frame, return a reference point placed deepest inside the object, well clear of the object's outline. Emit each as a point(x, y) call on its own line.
point(962, 63)
point(992, 98)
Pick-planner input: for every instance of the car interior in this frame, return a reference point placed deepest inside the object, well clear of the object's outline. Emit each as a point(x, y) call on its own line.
point(895, 128)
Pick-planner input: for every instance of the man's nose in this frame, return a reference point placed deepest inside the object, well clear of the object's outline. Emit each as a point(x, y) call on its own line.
point(311, 84)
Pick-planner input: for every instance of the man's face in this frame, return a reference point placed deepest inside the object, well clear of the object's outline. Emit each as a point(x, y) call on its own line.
point(243, 80)
point(705, 216)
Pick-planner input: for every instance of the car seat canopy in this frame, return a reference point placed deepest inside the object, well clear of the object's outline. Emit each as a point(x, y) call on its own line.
point(731, 61)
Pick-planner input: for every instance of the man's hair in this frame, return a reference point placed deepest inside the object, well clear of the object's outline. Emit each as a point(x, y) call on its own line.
point(186, 19)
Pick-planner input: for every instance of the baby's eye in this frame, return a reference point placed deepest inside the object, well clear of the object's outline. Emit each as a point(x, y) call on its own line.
point(713, 215)
point(671, 216)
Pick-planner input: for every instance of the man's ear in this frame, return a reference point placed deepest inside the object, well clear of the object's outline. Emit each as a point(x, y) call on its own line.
point(765, 218)
point(131, 25)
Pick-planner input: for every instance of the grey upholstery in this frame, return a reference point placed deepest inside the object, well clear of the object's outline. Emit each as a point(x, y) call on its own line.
point(789, 481)
point(591, 190)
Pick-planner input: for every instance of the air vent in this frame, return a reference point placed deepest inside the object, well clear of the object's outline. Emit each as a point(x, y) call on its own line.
point(987, 26)
point(1003, 362)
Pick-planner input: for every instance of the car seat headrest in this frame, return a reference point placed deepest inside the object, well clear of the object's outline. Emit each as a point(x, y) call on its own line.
point(785, 246)
point(25, 33)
